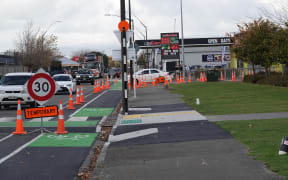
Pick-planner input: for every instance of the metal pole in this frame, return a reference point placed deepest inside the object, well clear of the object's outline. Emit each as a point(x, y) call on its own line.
point(124, 61)
point(131, 41)
point(182, 39)
point(147, 59)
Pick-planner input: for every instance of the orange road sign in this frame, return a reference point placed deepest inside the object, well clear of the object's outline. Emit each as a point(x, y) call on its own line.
point(123, 24)
point(41, 112)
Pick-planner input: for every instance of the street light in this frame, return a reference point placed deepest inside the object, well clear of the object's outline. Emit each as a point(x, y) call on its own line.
point(146, 34)
point(182, 39)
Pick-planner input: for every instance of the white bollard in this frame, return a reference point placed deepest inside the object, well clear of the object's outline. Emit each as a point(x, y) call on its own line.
point(197, 101)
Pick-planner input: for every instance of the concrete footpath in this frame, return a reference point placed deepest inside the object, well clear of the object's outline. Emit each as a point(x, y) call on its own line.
point(163, 138)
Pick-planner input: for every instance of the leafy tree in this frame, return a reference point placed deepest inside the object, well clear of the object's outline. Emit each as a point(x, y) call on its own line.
point(255, 43)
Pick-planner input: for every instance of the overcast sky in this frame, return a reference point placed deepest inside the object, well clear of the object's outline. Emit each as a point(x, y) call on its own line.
point(84, 24)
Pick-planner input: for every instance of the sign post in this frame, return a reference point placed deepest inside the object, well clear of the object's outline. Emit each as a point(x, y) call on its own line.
point(41, 87)
point(123, 27)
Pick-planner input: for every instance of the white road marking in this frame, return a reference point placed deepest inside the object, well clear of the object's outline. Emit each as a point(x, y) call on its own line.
point(88, 103)
point(140, 109)
point(19, 149)
point(131, 135)
point(7, 119)
point(77, 119)
point(45, 119)
point(3, 139)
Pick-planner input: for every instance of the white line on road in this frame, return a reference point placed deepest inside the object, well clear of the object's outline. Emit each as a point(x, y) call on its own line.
point(133, 134)
point(139, 109)
point(19, 149)
point(88, 103)
point(3, 139)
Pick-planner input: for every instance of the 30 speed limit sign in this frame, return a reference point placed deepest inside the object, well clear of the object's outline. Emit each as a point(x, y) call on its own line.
point(41, 87)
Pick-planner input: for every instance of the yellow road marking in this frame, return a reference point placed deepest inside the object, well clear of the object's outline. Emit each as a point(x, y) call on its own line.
point(137, 116)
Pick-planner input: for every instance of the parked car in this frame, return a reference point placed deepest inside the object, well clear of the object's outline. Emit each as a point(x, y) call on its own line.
point(114, 72)
point(65, 82)
point(149, 74)
point(12, 89)
point(85, 76)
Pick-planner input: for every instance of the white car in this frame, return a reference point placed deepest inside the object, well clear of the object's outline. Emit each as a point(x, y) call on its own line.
point(65, 82)
point(12, 89)
point(149, 74)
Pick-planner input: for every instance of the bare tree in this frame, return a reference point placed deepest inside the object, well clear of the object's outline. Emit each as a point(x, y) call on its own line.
point(37, 49)
point(277, 13)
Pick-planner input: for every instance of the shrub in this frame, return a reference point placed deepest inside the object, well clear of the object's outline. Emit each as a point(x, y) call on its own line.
point(275, 79)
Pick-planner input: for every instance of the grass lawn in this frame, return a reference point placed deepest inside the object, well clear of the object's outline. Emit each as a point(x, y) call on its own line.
point(263, 138)
point(217, 98)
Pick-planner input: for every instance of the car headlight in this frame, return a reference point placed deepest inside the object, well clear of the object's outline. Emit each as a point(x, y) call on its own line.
point(69, 85)
point(77, 76)
point(90, 76)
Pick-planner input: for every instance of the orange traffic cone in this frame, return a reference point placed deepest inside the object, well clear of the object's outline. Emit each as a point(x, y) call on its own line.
point(171, 79)
point(115, 80)
point(82, 95)
point(242, 75)
point(177, 79)
point(70, 105)
point(190, 79)
point(107, 83)
point(19, 121)
point(202, 77)
point(95, 91)
point(145, 84)
point(60, 127)
point(222, 78)
point(78, 97)
point(233, 76)
point(103, 85)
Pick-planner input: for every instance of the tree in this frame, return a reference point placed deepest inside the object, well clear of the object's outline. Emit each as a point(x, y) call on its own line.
point(277, 12)
point(36, 48)
point(255, 43)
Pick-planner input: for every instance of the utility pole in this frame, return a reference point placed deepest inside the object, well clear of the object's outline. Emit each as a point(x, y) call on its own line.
point(131, 41)
point(124, 60)
point(183, 60)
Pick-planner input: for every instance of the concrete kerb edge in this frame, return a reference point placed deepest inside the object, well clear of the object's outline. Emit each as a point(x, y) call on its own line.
point(84, 168)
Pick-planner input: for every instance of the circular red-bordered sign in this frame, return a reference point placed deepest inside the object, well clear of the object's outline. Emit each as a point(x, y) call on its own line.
point(36, 93)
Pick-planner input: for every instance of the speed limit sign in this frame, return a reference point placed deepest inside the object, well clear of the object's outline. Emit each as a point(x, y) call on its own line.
point(41, 87)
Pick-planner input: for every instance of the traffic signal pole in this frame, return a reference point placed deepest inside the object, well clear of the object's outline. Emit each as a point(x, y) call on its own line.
point(124, 61)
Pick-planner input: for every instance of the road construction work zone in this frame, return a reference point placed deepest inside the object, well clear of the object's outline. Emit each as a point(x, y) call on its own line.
point(66, 140)
point(94, 112)
point(52, 124)
point(153, 118)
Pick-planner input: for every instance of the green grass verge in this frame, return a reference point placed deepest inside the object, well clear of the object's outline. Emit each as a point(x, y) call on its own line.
point(263, 138)
point(233, 97)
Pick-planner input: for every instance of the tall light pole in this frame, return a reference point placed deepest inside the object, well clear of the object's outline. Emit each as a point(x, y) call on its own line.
point(146, 34)
point(183, 60)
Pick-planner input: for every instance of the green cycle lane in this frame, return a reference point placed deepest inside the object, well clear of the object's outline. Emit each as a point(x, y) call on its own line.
point(94, 112)
point(65, 140)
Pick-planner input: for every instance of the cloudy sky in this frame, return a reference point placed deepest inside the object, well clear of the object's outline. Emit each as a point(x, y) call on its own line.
point(84, 25)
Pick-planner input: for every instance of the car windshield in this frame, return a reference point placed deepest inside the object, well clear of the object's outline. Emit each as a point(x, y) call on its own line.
point(15, 80)
point(84, 72)
point(61, 78)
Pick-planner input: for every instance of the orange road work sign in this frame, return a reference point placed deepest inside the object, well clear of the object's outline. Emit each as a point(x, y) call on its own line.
point(41, 112)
